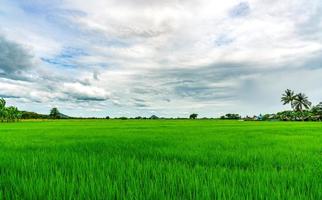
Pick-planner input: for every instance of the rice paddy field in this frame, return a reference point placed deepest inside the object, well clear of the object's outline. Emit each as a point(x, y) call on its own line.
point(160, 159)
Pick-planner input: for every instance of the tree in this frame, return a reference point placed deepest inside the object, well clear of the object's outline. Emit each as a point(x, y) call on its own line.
point(231, 116)
point(193, 116)
point(13, 114)
point(9, 114)
point(301, 101)
point(2, 103)
point(317, 109)
point(32, 115)
point(2, 109)
point(54, 113)
point(288, 97)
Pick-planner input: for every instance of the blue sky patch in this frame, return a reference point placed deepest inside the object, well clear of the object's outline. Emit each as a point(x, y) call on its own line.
point(241, 10)
point(66, 58)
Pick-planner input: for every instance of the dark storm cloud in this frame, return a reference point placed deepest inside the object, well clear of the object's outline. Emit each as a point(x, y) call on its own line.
point(14, 59)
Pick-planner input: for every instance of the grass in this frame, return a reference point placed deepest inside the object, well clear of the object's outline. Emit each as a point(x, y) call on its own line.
point(161, 159)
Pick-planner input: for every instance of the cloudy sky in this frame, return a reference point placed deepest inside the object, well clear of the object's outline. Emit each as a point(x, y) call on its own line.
point(163, 57)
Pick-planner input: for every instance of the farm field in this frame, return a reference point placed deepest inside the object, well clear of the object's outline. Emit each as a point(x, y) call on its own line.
point(160, 159)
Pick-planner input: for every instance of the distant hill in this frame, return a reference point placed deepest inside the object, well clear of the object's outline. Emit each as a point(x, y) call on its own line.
point(63, 116)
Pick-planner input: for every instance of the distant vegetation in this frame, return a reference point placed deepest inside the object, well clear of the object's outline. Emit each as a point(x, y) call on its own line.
point(302, 110)
point(8, 114)
point(32, 115)
point(193, 116)
point(231, 116)
point(12, 114)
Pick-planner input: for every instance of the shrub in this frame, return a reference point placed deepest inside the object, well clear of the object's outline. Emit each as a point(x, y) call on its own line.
point(231, 116)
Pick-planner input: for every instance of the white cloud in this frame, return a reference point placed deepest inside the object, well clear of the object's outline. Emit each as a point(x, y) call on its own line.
point(84, 92)
point(166, 56)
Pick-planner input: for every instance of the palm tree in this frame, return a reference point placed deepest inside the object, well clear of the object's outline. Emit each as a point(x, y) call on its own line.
point(288, 97)
point(301, 101)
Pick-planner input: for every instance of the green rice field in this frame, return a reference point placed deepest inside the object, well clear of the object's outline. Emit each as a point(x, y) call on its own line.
point(160, 159)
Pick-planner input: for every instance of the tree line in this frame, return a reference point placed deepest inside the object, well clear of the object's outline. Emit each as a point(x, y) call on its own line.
point(301, 110)
point(12, 114)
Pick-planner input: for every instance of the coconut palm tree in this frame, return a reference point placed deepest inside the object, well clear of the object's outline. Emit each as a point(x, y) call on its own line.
point(301, 102)
point(288, 97)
